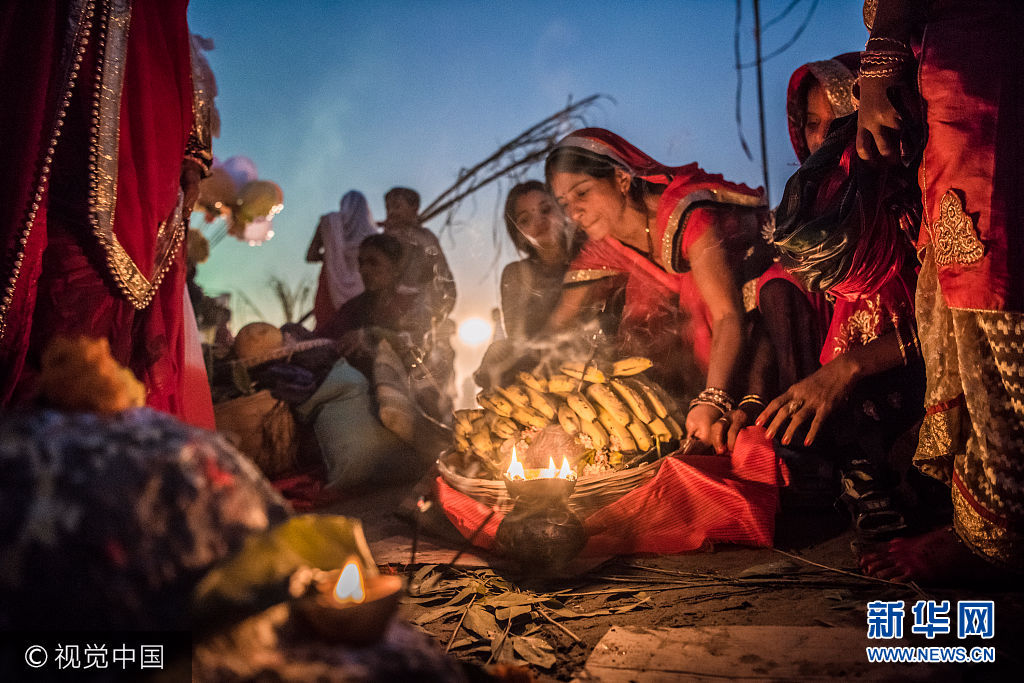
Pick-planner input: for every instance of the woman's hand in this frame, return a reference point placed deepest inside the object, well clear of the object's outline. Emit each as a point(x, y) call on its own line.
point(878, 123)
point(700, 421)
point(727, 428)
point(813, 398)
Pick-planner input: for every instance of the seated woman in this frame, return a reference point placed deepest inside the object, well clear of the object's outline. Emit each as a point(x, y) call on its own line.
point(671, 232)
point(384, 333)
point(336, 244)
point(530, 287)
point(845, 232)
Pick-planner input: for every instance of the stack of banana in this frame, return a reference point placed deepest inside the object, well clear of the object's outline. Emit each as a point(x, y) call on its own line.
point(612, 410)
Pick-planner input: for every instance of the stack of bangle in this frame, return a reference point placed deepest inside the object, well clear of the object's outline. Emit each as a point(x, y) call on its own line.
point(756, 399)
point(884, 57)
point(716, 398)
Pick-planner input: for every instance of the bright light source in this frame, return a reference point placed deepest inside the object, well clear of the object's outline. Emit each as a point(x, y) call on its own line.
point(475, 331)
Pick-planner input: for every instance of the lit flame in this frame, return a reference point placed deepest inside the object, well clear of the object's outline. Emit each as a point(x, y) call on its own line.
point(566, 472)
point(515, 468)
point(350, 584)
point(548, 472)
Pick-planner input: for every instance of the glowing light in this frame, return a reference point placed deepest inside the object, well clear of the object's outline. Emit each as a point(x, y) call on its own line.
point(515, 468)
point(566, 472)
point(350, 584)
point(548, 472)
point(475, 331)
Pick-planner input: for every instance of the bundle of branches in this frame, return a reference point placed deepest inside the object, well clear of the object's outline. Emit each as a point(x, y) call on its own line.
point(512, 159)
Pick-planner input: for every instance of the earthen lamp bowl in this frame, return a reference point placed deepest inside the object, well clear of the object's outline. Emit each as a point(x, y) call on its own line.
point(536, 489)
point(352, 623)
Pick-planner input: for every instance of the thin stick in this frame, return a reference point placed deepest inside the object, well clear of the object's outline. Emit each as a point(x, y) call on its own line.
point(469, 541)
point(459, 625)
point(567, 632)
point(501, 642)
point(912, 586)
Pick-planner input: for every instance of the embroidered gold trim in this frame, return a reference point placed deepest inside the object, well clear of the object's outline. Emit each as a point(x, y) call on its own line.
point(956, 239)
point(862, 327)
point(750, 295)
point(589, 275)
point(870, 8)
point(996, 544)
point(673, 228)
point(592, 146)
point(80, 24)
point(838, 82)
point(137, 287)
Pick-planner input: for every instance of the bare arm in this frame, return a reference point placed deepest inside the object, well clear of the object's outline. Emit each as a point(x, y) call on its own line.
point(315, 252)
point(816, 397)
point(514, 289)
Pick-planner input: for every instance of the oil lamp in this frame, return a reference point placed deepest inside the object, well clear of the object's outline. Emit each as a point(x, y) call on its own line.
point(541, 534)
point(347, 606)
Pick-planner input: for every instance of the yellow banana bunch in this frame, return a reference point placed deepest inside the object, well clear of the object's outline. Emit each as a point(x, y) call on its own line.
point(660, 430)
point(620, 438)
point(516, 395)
point(633, 365)
point(528, 418)
point(588, 372)
point(504, 428)
point(653, 397)
point(597, 433)
point(642, 437)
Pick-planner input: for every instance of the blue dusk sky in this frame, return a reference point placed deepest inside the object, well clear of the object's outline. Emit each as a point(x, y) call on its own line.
point(328, 96)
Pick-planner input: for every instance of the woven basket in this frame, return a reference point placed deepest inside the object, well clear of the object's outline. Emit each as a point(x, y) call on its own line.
point(592, 491)
point(263, 429)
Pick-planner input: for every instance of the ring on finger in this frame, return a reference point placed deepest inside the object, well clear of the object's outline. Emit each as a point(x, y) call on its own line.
point(794, 405)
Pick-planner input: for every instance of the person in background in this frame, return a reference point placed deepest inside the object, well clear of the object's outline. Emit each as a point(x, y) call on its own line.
point(102, 161)
point(966, 59)
point(425, 269)
point(336, 244)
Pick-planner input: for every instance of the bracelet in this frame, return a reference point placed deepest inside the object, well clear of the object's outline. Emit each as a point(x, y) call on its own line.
point(716, 398)
point(881, 73)
point(756, 399)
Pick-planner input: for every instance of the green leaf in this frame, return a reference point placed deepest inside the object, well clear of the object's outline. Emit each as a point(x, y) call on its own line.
point(534, 650)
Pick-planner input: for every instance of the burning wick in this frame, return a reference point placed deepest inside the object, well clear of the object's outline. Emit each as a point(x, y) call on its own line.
point(565, 472)
point(515, 468)
point(350, 584)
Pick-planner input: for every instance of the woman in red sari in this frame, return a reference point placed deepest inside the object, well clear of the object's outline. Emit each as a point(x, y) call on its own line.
point(668, 231)
point(103, 155)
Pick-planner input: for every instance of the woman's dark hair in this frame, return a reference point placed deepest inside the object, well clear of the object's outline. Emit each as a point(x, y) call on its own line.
point(389, 245)
point(585, 162)
point(519, 239)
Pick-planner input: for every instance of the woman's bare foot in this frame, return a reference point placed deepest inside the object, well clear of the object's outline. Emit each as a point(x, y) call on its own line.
point(937, 558)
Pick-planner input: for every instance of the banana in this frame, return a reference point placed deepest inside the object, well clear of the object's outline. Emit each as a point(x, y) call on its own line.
point(586, 371)
point(598, 435)
point(650, 394)
point(528, 418)
point(461, 443)
point(463, 428)
point(533, 381)
point(516, 395)
point(495, 403)
point(660, 430)
point(640, 435)
point(606, 398)
point(673, 426)
point(482, 442)
point(562, 384)
point(619, 437)
point(584, 408)
point(633, 365)
point(504, 428)
point(542, 404)
point(633, 399)
point(569, 420)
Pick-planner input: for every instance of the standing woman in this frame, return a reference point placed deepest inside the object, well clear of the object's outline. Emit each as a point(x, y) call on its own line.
point(336, 244)
point(670, 231)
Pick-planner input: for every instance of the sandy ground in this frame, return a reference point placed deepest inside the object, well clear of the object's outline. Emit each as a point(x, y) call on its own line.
point(786, 592)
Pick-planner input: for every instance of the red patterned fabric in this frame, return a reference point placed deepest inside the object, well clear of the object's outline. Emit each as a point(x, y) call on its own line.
point(693, 500)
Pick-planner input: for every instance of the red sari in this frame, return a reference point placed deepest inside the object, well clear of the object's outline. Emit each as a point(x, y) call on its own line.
point(91, 219)
point(659, 285)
